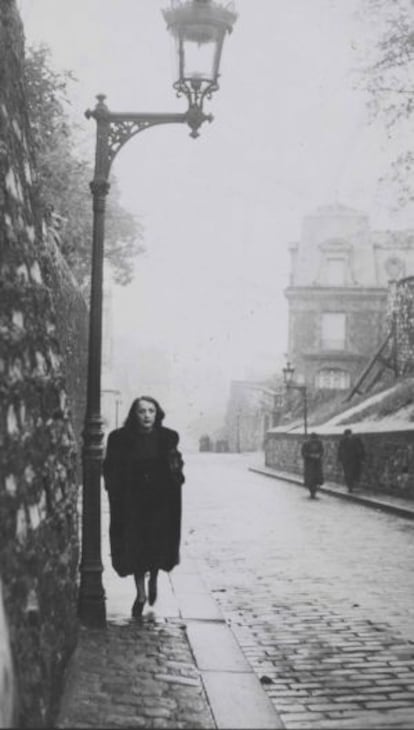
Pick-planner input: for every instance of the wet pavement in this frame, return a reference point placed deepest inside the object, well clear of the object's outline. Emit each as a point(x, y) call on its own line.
point(393, 504)
point(178, 666)
point(135, 673)
point(285, 611)
point(317, 592)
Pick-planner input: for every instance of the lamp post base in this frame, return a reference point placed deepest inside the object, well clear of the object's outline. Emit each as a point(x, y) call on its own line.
point(92, 614)
point(91, 602)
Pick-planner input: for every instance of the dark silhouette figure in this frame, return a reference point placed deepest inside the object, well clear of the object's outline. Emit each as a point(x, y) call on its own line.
point(351, 454)
point(312, 452)
point(143, 475)
point(205, 443)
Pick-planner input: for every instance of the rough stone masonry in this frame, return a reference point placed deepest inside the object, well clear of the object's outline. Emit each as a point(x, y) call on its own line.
point(38, 454)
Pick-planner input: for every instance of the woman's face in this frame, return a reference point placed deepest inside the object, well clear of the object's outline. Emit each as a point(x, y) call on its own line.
point(146, 414)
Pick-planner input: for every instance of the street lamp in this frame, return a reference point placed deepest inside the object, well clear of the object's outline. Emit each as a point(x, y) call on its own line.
point(288, 372)
point(199, 28)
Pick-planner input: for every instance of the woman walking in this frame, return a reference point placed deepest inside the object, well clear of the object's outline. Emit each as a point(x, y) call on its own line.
point(312, 453)
point(143, 476)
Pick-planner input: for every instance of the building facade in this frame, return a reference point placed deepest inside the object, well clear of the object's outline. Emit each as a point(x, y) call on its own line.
point(337, 295)
point(251, 410)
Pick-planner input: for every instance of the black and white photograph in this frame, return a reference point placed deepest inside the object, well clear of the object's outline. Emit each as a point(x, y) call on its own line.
point(207, 364)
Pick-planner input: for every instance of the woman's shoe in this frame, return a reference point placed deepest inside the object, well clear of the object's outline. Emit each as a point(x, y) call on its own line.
point(137, 608)
point(152, 591)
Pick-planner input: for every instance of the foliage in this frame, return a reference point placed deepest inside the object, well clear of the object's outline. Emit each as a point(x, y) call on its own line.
point(390, 79)
point(64, 177)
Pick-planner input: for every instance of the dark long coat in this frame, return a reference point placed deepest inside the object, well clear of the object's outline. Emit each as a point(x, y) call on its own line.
point(351, 454)
point(312, 452)
point(144, 490)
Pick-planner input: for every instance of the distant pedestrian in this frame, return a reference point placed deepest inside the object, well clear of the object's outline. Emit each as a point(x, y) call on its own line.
point(143, 475)
point(312, 452)
point(351, 454)
point(404, 481)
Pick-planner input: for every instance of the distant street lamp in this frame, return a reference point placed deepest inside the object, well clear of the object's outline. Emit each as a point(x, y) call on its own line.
point(199, 28)
point(288, 373)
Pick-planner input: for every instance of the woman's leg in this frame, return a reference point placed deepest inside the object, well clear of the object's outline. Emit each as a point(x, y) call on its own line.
point(141, 595)
point(152, 587)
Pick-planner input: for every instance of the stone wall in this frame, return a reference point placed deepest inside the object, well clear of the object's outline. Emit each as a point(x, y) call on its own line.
point(71, 329)
point(38, 455)
point(401, 321)
point(388, 456)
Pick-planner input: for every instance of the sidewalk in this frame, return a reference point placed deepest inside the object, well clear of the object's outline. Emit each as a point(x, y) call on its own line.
point(387, 503)
point(179, 666)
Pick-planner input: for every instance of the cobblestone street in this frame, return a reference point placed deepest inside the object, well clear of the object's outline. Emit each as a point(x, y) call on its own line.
point(135, 674)
point(312, 622)
point(318, 593)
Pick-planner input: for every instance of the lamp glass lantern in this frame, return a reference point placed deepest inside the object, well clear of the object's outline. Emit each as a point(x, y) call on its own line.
point(199, 28)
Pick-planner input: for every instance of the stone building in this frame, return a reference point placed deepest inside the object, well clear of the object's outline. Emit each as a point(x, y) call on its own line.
point(337, 295)
point(251, 411)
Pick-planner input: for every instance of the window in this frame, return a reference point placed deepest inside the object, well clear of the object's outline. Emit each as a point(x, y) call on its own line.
point(333, 331)
point(335, 271)
point(333, 379)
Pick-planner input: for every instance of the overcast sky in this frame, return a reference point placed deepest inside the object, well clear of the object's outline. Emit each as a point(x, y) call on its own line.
point(290, 133)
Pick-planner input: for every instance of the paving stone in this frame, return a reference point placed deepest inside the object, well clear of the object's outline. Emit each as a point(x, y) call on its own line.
point(287, 707)
point(305, 577)
point(308, 717)
point(330, 707)
point(389, 704)
point(136, 692)
point(177, 679)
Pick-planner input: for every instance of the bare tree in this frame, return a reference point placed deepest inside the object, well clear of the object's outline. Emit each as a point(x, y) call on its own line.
point(389, 79)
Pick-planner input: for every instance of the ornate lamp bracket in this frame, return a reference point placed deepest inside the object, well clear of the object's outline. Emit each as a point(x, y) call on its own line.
point(120, 132)
point(115, 129)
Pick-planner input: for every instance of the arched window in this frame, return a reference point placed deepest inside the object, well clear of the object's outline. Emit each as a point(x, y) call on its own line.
point(333, 379)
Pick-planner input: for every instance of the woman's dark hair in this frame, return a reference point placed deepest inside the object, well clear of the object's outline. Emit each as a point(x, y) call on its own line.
point(131, 421)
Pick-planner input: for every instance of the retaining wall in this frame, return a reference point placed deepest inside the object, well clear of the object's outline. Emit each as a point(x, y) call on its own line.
point(41, 318)
point(388, 454)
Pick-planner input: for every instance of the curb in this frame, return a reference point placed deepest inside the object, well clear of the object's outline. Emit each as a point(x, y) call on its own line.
point(372, 502)
point(234, 693)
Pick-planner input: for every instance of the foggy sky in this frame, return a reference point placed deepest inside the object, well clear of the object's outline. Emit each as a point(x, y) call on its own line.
point(290, 133)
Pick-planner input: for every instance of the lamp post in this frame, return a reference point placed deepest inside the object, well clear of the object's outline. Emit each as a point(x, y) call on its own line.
point(238, 416)
point(288, 372)
point(277, 405)
point(199, 28)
